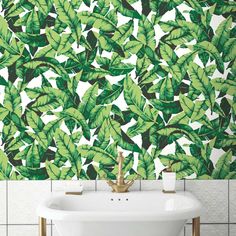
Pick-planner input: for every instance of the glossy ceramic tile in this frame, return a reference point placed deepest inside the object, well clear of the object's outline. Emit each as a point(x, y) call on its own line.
point(54, 231)
point(209, 230)
point(3, 230)
point(63, 186)
point(148, 185)
point(232, 230)
point(232, 191)
point(182, 233)
point(26, 230)
point(214, 197)
point(2, 202)
point(23, 199)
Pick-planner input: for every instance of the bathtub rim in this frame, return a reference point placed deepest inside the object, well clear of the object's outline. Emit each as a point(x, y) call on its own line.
point(46, 212)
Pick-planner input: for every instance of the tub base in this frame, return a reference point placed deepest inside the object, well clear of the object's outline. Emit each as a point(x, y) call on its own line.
point(121, 228)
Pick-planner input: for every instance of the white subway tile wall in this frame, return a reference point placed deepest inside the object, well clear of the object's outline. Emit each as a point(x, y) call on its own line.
point(23, 199)
point(3, 214)
point(54, 231)
point(72, 185)
point(209, 230)
point(148, 185)
point(24, 196)
point(3, 230)
point(232, 230)
point(26, 230)
point(232, 199)
point(214, 197)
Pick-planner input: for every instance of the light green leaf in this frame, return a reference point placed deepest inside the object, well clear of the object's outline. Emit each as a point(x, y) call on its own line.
point(12, 99)
point(68, 15)
point(5, 167)
point(139, 128)
point(43, 5)
point(97, 21)
point(89, 100)
point(34, 121)
point(225, 86)
point(109, 44)
point(133, 46)
point(178, 36)
point(33, 157)
point(195, 5)
point(213, 52)
point(182, 130)
point(98, 115)
point(79, 118)
point(32, 173)
point(222, 34)
point(201, 82)
point(168, 54)
point(195, 111)
point(47, 62)
point(120, 137)
point(146, 166)
point(222, 166)
point(110, 95)
point(68, 149)
point(123, 32)
point(131, 12)
point(96, 154)
point(3, 113)
point(229, 50)
point(146, 33)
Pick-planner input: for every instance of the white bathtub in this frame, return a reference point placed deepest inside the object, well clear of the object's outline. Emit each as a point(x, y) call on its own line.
point(147, 213)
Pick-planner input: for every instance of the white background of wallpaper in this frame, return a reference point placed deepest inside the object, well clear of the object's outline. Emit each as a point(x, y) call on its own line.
point(83, 86)
point(19, 199)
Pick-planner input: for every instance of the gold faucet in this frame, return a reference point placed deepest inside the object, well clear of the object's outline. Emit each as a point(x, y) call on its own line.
point(120, 186)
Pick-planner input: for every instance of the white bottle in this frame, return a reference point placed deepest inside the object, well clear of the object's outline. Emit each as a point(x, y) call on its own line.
point(168, 180)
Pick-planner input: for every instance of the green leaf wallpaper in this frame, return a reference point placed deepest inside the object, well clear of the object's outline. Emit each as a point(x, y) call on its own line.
point(82, 79)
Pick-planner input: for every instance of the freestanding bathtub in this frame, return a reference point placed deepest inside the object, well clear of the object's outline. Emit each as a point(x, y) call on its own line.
point(147, 213)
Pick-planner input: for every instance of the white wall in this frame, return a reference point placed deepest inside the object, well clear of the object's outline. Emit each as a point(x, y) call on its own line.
point(19, 199)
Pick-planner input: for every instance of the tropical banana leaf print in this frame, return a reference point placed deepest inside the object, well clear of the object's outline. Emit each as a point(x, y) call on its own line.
point(82, 79)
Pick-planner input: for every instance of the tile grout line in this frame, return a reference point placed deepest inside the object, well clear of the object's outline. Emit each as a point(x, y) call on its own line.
point(7, 207)
point(184, 191)
point(51, 220)
point(228, 208)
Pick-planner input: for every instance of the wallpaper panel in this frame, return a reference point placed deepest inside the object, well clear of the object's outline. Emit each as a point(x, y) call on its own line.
point(80, 80)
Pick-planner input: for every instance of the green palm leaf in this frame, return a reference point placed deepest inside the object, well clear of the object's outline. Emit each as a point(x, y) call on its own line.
point(201, 82)
point(222, 166)
point(96, 154)
point(89, 101)
point(68, 15)
point(68, 149)
point(212, 51)
point(146, 33)
point(79, 118)
point(222, 34)
point(5, 167)
point(97, 21)
point(225, 85)
point(146, 166)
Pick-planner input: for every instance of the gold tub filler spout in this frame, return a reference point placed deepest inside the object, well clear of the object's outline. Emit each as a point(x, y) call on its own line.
point(120, 186)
